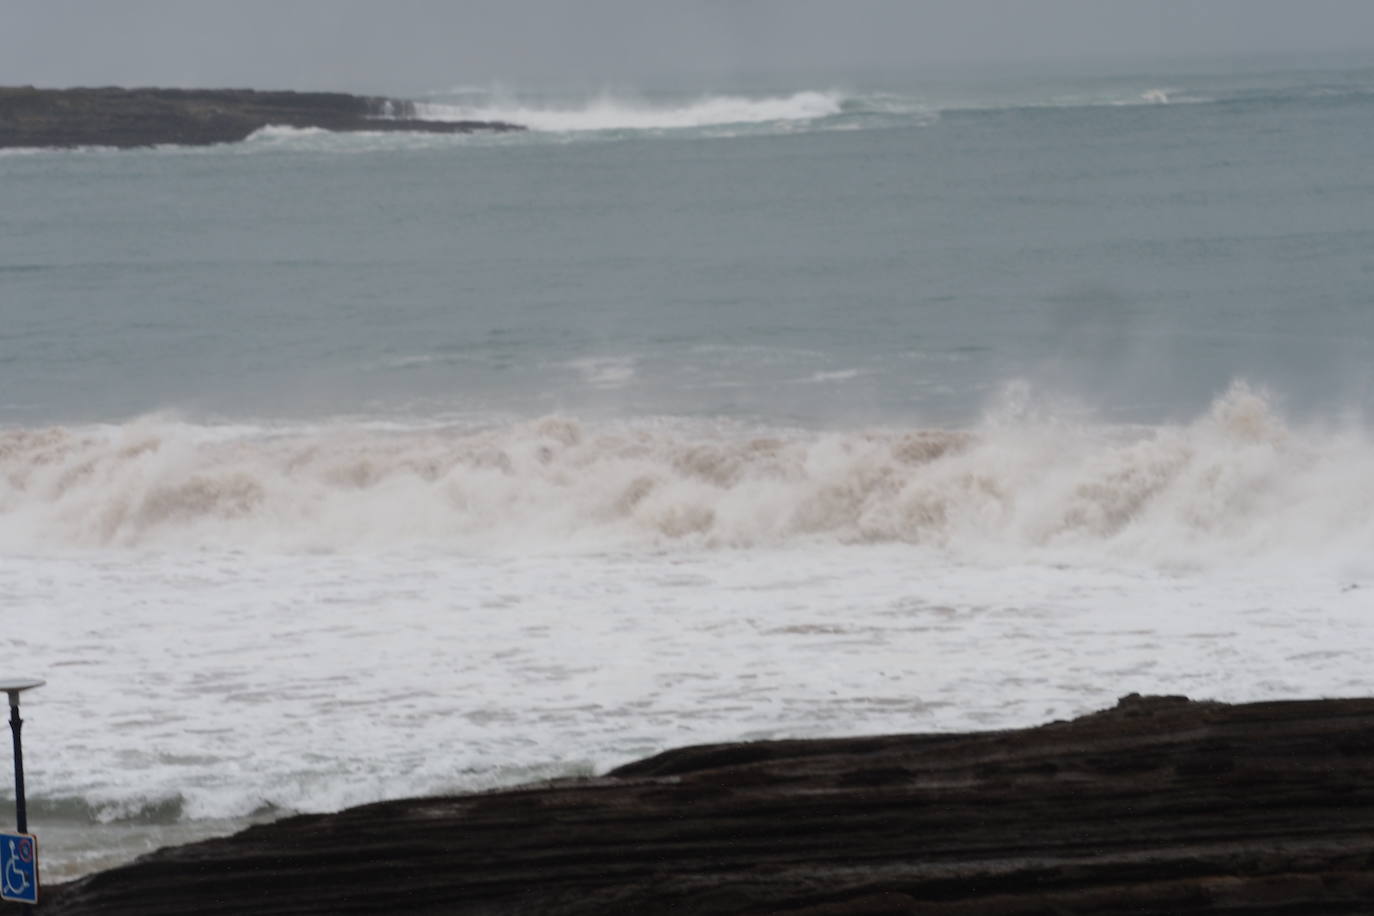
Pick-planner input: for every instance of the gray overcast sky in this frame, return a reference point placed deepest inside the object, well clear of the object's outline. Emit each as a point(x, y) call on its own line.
point(417, 44)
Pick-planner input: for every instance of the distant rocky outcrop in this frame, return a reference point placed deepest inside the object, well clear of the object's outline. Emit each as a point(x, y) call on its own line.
point(1158, 806)
point(117, 117)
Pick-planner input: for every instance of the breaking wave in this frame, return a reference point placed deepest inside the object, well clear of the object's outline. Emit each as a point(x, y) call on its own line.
point(807, 108)
point(608, 112)
point(1237, 482)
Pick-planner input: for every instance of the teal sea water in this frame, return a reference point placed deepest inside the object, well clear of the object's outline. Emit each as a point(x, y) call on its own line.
point(809, 254)
point(343, 467)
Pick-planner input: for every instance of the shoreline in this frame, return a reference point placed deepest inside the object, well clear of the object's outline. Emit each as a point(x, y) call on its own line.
point(32, 118)
point(1159, 804)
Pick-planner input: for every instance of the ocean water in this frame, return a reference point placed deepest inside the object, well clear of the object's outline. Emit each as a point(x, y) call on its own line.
point(336, 468)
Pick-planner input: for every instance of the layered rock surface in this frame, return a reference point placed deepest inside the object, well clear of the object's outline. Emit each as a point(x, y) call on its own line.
point(117, 117)
point(1157, 806)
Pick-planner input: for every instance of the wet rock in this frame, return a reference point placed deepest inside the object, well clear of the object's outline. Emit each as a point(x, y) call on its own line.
point(118, 117)
point(1156, 806)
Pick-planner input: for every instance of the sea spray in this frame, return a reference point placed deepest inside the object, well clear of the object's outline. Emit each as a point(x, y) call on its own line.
point(1238, 482)
point(611, 112)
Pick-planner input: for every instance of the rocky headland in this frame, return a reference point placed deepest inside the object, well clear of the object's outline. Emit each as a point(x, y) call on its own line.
point(126, 118)
point(1159, 806)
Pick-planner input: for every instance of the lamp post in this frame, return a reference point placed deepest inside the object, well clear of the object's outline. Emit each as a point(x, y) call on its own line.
point(15, 686)
point(20, 880)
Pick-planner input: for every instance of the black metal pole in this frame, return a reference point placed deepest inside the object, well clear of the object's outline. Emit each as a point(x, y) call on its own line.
point(21, 811)
point(20, 808)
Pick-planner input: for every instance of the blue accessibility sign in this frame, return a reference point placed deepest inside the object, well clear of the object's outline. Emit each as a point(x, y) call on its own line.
point(19, 867)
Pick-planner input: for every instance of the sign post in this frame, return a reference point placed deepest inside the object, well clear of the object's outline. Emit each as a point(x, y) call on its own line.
point(19, 851)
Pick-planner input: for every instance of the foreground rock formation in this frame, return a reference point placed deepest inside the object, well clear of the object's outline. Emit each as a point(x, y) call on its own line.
point(1157, 806)
point(32, 117)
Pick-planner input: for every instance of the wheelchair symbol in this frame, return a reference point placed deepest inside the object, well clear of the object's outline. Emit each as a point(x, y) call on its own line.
point(19, 880)
point(16, 880)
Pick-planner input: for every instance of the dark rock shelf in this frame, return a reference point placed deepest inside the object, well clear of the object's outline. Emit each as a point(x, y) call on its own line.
point(1157, 806)
point(126, 118)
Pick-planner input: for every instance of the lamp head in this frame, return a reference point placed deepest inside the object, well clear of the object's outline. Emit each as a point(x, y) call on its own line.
point(17, 685)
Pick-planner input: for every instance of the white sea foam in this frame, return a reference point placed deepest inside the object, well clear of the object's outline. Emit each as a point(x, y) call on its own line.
point(304, 618)
point(284, 138)
point(605, 371)
point(611, 112)
point(210, 684)
point(835, 375)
